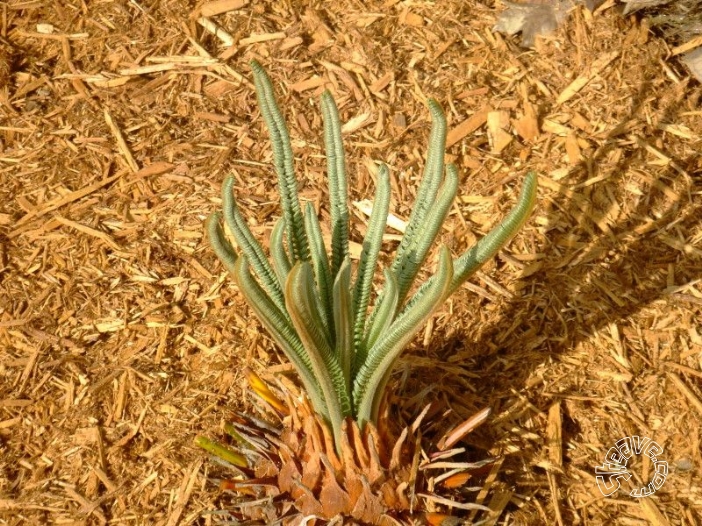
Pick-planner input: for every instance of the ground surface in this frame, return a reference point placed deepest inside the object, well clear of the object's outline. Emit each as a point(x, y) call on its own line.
point(121, 337)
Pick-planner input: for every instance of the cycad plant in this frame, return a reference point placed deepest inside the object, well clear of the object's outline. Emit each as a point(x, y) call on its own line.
point(317, 309)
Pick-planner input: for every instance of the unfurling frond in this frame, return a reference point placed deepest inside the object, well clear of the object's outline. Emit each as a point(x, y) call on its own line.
point(329, 459)
point(283, 162)
point(309, 300)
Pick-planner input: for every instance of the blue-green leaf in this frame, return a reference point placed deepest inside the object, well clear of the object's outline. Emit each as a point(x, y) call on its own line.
point(384, 312)
point(368, 261)
point(322, 274)
point(219, 242)
point(426, 195)
point(283, 162)
point(249, 245)
point(426, 234)
point(336, 172)
point(475, 257)
point(343, 320)
point(301, 304)
point(281, 262)
point(282, 331)
point(382, 356)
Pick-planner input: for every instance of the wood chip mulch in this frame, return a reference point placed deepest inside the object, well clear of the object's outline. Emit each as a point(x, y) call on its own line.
point(121, 337)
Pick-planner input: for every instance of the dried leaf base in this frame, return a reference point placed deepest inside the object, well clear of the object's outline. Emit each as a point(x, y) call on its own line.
point(290, 473)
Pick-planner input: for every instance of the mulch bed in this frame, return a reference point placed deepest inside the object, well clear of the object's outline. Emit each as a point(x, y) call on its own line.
point(122, 337)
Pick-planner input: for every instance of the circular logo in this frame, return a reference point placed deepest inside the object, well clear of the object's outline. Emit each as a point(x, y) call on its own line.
point(610, 474)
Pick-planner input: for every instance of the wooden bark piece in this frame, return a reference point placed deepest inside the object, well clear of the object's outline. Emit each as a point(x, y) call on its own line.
point(497, 123)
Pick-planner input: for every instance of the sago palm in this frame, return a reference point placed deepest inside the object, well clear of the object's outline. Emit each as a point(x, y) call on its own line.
point(327, 455)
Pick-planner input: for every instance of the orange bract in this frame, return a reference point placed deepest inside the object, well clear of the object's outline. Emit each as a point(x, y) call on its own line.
point(377, 478)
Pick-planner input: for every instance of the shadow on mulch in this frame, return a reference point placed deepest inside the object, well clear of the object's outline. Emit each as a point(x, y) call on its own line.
point(639, 262)
point(636, 261)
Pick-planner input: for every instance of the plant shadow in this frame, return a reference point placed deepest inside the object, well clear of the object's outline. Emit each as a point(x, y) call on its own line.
point(602, 262)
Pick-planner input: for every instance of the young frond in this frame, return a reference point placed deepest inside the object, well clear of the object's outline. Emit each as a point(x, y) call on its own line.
point(336, 172)
point(329, 459)
point(367, 390)
point(283, 162)
point(313, 307)
point(368, 262)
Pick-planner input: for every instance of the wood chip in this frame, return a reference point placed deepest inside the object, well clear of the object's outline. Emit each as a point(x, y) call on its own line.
point(551, 126)
point(651, 512)
point(497, 122)
point(687, 46)
point(527, 126)
point(290, 43)
point(217, 31)
point(87, 507)
point(685, 390)
point(408, 18)
point(263, 37)
point(121, 143)
point(572, 149)
point(88, 230)
point(591, 72)
point(210, 116)
point(186, 488)
point(554, 435)
point(145, 70)
point(217, 7)
point(468, 126)
point(357, 122)
point(308, 84)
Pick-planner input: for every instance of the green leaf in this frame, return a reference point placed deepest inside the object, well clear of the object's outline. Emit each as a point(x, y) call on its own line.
point(223, 452)
point(282, 331)
point(302, 306)
point(499, 236)
point(426, 195)
point(381, 357)
point(343, 320)
point(426, 235)
point(322, 274)
point(384, 313)
point(219, 242)
point(368, 261)
point(475, 257)
point(283, 162)
point(336, 171)
point(281, 262)
point(248, 244)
